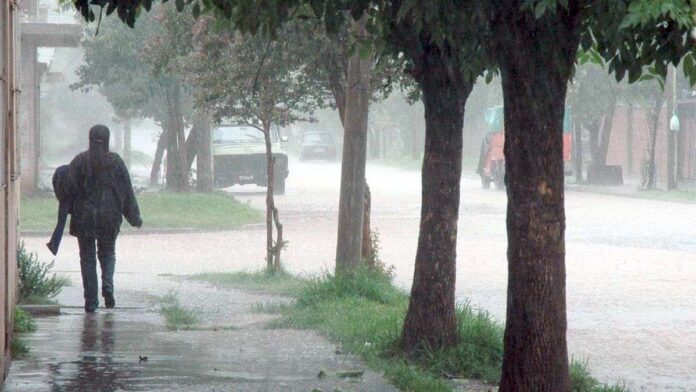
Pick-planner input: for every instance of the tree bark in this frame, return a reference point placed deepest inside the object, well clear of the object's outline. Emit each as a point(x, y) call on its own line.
point(606, 132)
point(431, 321)
point(577, 138)
point(536, 57)
point(350, 208)
point(649, 181)
point(272, 250)
point(367, 252)
point(157, 162)
point(177, 175)
point(127, 143)
point(204, 161)
point(671, 150)
point(629, 139)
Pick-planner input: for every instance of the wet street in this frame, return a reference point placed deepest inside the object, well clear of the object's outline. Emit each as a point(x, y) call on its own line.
point(631, 263)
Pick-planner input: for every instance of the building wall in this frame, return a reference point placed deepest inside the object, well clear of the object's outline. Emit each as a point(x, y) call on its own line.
point(9, 173)
point(622, 150)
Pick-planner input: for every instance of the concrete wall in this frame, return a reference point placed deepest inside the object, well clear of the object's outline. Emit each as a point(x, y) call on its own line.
point(9, 173)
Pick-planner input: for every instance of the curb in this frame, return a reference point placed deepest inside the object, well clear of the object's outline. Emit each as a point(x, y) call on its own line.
point(41, 310)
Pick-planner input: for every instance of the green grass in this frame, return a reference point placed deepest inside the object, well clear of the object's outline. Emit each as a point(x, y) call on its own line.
point(281, 283)
point(163, 210)
point(176, 316)
point(18, 347)
point(365, 313)
point(270, 307)
point(677, 195)
point(582, 381)
point(23, 322)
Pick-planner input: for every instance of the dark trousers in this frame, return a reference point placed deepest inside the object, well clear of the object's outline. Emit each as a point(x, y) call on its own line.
point(90, 249)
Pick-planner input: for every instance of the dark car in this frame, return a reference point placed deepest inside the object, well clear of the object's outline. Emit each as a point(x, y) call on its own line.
point(318, 145)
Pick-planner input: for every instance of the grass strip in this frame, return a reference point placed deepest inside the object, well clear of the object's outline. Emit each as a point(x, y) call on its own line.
point(162, 210)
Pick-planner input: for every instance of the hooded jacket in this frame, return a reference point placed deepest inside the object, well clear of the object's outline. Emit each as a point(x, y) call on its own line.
point(103, 192)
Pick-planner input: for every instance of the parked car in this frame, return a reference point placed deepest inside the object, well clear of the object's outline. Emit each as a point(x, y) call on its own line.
point(239, 154)
point(318, 145)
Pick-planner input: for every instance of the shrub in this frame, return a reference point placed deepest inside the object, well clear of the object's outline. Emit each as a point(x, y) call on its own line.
point(23, 322)
point(35, 277)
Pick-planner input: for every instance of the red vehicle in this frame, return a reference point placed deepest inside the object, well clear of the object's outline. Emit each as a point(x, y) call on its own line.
point(491, 165)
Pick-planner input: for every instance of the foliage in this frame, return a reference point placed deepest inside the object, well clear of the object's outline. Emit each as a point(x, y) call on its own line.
point(176, 316)
point(582, 381)
point(35, 277)
point(18, 347)
point(23, 322)
point(364, 312)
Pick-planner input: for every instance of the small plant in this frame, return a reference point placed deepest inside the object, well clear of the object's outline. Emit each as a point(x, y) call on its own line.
point(176, 316)
point(18, 347)
point(582, 381)
point(270, 307)
point(36, 281)
point(374, 260)
point(23, 322)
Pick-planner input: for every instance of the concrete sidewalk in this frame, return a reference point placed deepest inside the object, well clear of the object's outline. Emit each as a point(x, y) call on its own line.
point(231, 351)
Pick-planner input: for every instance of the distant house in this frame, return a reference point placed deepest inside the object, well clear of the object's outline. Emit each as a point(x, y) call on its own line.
point(630, 135)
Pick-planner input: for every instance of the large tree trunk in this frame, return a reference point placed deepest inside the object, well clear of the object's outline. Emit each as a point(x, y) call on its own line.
point(536, 57)
point(157, 162)
point(350, 208)
point(177, 174)
point(431, 321)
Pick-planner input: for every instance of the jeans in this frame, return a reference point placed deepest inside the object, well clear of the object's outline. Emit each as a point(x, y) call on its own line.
point(105, 249)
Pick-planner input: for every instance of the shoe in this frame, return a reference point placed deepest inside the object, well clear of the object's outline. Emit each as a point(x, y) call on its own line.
point(109, 301)
point(89, 309)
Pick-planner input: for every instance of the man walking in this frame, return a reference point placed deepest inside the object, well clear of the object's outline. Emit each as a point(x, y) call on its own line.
point(102, 196)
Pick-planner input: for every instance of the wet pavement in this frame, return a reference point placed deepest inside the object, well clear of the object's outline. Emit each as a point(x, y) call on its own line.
point(631, 263)
point(128, 349)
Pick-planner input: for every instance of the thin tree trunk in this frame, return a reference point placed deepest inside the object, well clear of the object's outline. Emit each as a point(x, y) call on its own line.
point(272, 250)
point(204, 162)
point(629, 139)
point(431, 321)
point(535, 78)
point(350, 209)
point(577, 135)
point(157, 162)
point(651, 169)
point(127, 143)
point(367, 253)
point(177, 175)
point(606, 132)
point(671, 150)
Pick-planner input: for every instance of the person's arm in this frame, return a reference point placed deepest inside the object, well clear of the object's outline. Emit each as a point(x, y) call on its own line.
point(131, 211)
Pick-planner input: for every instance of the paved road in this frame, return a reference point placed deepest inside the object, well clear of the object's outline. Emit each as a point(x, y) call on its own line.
point(631, 262)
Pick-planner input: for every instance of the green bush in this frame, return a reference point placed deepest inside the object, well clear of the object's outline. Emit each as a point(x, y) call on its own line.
point(23, 322)
point(35, 277)
point(18, 347)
